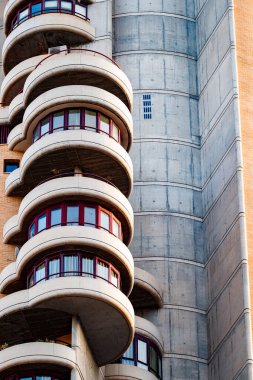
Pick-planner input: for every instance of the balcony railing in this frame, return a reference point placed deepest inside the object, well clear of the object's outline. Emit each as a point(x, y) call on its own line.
point(37, 8)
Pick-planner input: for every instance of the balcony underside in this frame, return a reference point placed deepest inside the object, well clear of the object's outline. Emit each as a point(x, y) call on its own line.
point(36, 35)
point(63, 372)
point(104, 311)
point(91, 152)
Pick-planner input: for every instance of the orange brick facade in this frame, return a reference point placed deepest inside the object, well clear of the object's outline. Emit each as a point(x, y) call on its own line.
point(8, 205)
point(244, 51)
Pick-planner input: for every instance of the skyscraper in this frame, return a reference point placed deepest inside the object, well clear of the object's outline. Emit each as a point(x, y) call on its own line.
point(93, 285)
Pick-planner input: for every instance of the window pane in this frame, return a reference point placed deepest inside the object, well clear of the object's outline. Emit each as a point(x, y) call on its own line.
point(42, 222)
point(25, 378)
point(142, 351)
point(73, 215)
point(103, 270)
point(129, 354)
point(127, 361)
point(50, 6)
point(36, 134)
point(43, 377)
point(44, 127)
point(23, 15)
point(32, 230)
point(90, 120)
point(153, 359)
point(87, 267)
point(40, 273)
point(36, 9)
point(90, 216)
point(74, 118)
point(66, 6)
point(115, 132)
point(58, 121)
point(56, 217)
point(80, 10)
point(54, 268)
point(105, 220)
point(104, 124)
point(115, 228)
point(10, 166)
point(70, 265)
point(114, 278)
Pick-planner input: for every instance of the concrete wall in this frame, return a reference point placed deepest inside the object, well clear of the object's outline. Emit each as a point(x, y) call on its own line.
point(155, 44)
point(223, 207)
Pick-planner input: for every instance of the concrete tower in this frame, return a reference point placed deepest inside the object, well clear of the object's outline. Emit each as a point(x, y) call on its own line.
point(81, 297)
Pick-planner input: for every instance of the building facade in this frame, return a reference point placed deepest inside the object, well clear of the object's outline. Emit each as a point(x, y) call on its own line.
point(105, 100)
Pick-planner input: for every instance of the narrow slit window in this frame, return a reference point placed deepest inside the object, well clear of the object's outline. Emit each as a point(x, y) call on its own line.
point(147, 106)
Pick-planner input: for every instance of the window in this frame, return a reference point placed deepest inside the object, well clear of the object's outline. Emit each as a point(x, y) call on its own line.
point(42, 222)
point(40, 273)
point(103, 270)
point(78, 214)
point(58, 122)
point(73, 215)
point(71, 265)
point(56, 215)
point(10, 165)
point(75, 263)
point(87, 267)
point(90, 120)
point(147, 107)
point(54, 268)
point(105, 220)
point(90, 216)
point(74, 118)
point(104, 125)
point(36, 9)
point(77, 118)
point(144, 354)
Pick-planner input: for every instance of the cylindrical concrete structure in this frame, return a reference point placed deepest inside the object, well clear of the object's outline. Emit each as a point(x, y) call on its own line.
point(155, 44)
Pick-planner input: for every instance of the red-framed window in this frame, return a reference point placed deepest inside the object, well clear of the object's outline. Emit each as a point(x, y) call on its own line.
point(73, 263)
point(75, 214)
point(36, 8)
point(145, 354)
point(35, 375)
point(76, 118)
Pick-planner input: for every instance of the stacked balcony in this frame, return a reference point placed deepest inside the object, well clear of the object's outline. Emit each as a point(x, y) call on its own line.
point(69, 109)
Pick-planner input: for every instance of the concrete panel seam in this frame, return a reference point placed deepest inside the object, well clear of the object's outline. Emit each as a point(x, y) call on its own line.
point(239, 266)
point(166, 213)
point(167, 184)
point(162, 52)
point(185, 357)
point(185, 308)
point(227, 335)
point(152, 13)
point(170, 259)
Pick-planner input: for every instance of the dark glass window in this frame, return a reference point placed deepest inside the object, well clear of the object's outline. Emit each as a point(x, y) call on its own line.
point(10, 165)
point(143, 353)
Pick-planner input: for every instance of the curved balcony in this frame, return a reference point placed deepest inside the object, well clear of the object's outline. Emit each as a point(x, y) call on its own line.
point(69, 97)
point(147, 291)
point(16, 109)
point(98, 242)
point(37, 34)
point(112, 314)
point(143, 359)
point(126, 372)
point(52, 354)
point(78, 188)
point(83, 67)
point(90, 152)
point(36, 372)
point(13, 83)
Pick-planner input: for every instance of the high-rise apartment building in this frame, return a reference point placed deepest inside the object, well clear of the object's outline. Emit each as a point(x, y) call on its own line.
point(84, 83)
